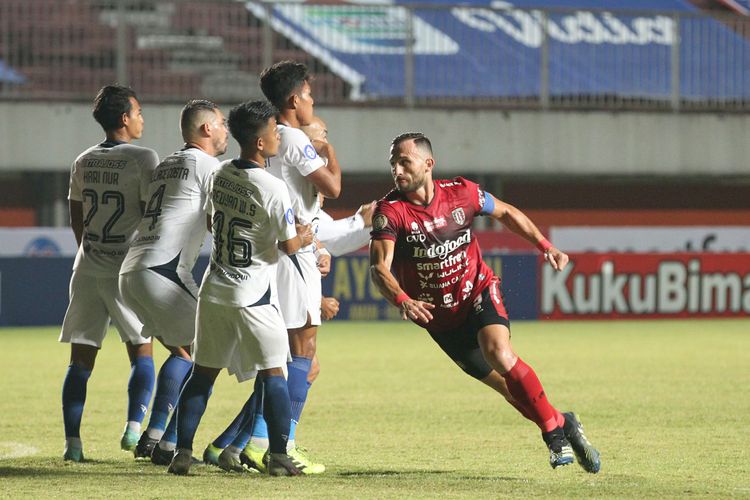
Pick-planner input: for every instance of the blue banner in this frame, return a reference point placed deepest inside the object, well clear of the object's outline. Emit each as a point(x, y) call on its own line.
point(349, 282)
point(475, 50)
point(34, 290)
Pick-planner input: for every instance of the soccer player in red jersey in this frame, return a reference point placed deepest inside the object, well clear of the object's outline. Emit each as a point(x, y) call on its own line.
point(425, 260)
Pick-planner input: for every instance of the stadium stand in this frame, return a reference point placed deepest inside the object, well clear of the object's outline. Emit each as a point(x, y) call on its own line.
point(173, 49)
point(439, 52)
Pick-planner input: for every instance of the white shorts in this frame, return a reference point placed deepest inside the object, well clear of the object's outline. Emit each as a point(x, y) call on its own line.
point(247, 339)
point(166, 308)
point(299, 288)
point(93, 301)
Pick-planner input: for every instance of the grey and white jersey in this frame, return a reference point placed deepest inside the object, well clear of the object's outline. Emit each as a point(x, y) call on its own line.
point(296, 160)
point(174, 223)
point(251, 212)
point(111, 181)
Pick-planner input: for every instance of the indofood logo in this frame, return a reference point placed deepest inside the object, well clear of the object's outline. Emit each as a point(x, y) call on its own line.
point(368, 29)
point(442, 250)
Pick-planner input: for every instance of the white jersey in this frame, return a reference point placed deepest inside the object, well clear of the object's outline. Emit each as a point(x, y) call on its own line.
point(296, 160)
point(251, 212)
point(174, 223)
point(111, 180)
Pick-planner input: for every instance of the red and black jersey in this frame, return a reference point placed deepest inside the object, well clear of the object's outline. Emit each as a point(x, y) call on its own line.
point(437, 258)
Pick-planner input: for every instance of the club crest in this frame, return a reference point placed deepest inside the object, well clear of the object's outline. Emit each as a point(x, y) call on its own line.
point(459, 216)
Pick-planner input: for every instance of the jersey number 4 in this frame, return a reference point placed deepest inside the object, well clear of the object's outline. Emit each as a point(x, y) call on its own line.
point(153, 209)
point(239, 250)
point(108, 197)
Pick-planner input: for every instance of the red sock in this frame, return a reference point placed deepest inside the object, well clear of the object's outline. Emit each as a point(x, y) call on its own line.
point(522, 410)
point(526, 388)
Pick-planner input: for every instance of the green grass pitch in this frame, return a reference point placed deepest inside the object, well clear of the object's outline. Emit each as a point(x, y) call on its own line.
point(666, 402)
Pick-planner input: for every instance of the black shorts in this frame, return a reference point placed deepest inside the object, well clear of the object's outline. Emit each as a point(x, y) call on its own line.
point(461, 344)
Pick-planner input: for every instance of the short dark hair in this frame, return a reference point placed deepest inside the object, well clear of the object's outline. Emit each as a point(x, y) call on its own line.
point(110, 103)
point(246, 120)
point(193, 108)
point(279, 81)
point(420, 140)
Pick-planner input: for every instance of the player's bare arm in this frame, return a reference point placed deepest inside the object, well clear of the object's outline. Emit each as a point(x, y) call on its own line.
point(327, 179)
point(304, 237)
point(381, 257)
point(519, 223)
point(76, 220)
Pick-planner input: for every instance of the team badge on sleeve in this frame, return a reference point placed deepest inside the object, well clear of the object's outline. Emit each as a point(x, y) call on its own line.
point(459, 216)
point(310, 152)
point(379, 222)
point(289, 216)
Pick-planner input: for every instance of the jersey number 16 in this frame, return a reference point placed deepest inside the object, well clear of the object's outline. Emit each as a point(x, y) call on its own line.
point(239, 250)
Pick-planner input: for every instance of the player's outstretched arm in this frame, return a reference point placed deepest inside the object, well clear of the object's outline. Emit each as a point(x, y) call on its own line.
point(327, 179)
point(76, 219)
point(519, 223)
point(381, 257)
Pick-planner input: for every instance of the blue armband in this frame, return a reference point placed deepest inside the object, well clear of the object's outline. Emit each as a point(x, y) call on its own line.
point(489, 204)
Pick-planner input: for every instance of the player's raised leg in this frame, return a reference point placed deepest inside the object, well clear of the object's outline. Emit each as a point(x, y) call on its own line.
point(526, 389)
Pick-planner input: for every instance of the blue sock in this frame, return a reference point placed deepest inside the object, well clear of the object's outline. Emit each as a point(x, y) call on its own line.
point(140, 387)
point(170, 433)
point(297, 383)
point(260, 429)
point(239, 431)
point(73, 398)
point(172, 377)
point(191, 408)
point(252, 413)
point(277, 408)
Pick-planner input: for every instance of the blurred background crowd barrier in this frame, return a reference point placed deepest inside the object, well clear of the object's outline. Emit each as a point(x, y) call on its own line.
point(564, 54)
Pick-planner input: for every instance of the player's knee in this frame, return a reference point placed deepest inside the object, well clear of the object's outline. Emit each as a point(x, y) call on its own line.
point(83, 356)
